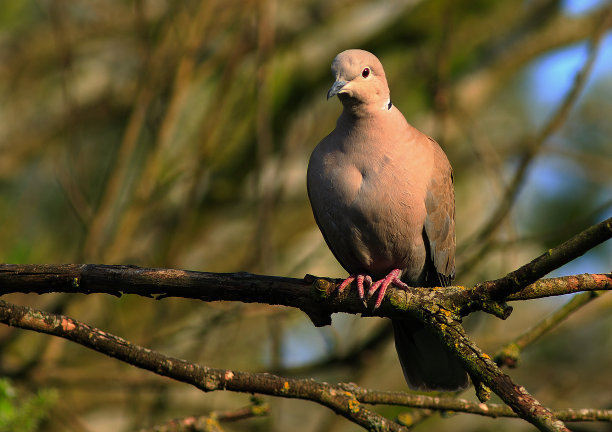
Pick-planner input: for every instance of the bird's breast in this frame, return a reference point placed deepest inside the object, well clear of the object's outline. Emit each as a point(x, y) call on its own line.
point(365, 208)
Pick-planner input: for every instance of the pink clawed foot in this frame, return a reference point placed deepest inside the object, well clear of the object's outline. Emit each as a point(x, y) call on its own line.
point(382, 285)
point(361, 279)
point(345, 283)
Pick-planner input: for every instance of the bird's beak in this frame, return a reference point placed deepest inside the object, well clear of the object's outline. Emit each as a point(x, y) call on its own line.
point(335, 89)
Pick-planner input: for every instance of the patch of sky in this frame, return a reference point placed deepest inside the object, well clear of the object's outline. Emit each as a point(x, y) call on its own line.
point(580, 7)
point(597, 260)
point(551, 76)
point(303, 343)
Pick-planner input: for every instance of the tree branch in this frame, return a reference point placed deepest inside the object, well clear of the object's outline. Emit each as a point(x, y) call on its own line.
point(314, 296)
point(486, 374)
point(204, 378)
point(161, 283)
point(419, 302)
point(547, 262)
point(211, 422)
point(563, 285)
point(375, 397)
point(509, 354)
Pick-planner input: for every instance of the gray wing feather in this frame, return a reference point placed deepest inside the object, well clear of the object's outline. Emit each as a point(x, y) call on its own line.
point(440, 220)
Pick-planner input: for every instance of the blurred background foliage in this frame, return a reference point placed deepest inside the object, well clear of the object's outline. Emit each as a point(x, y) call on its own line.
point(177, 133)
point(20, 413)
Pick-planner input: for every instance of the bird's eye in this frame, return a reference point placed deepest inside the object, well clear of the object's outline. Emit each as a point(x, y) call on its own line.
point(365, 73)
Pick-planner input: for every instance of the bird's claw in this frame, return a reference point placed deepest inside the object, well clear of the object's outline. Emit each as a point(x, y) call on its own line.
point(380, 285)
point(345, 283)
point(361, 279)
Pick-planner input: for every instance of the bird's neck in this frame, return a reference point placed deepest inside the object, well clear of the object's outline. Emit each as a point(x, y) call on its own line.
point(365, 113)
point(359, 108)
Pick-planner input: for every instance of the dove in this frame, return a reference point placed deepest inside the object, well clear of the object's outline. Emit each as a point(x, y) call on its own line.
point(382, 195)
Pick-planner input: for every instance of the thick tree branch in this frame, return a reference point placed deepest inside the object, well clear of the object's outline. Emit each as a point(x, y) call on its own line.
point(314, 296)
point(486, 374)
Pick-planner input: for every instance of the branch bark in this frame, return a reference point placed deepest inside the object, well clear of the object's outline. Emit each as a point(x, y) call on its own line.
point(313, 295)
point(486, 375)
point(563, 285)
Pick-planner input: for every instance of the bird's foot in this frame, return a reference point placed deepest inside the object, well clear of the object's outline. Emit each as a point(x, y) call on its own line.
point(361, 280)
point(381, 286)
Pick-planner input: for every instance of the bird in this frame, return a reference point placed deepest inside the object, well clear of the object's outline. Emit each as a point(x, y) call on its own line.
point(382, 195)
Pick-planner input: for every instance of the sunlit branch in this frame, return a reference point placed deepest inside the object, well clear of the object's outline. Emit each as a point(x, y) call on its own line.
point(375, 397)
point(549, 261)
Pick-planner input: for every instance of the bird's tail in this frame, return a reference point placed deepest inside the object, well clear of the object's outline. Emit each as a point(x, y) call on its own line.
point(426, 363)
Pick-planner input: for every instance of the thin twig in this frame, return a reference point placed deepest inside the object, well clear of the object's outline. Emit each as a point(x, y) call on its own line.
point(509, 354)
point(375, 397)
point(564, 285)
point(549, 261)
point(211, 422)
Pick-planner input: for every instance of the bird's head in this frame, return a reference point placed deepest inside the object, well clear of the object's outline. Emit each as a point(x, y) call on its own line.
point(360, 80)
